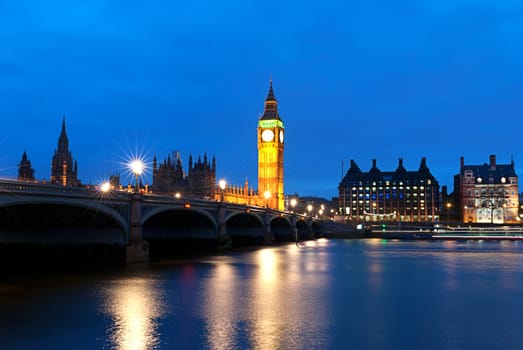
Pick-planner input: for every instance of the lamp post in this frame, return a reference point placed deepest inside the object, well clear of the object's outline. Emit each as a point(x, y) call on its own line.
point(309, 209)
point(267, 196)
point(137, 167)
point(105, 187)
point(293, 203)
point(222, 184)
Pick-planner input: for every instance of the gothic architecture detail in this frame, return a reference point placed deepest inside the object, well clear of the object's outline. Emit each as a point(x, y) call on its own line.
point(487, 193)
point(170, 178)
point(64, 170)
point(270, 154)
point(395, 196)
point(25, 171)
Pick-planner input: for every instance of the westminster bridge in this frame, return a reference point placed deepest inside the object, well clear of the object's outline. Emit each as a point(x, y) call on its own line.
point(84, 221)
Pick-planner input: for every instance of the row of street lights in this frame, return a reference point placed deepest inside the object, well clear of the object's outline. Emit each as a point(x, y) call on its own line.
point(137, 167)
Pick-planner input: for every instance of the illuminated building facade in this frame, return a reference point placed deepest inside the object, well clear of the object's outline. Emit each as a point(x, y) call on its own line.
point(270, 154)
point(170, 178)
point(63, 170)
point(25, 170)
point(400, 195)
point(487, 193)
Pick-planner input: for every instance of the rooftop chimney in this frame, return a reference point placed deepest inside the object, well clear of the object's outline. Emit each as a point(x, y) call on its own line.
point(493, 162)
point(461, 163)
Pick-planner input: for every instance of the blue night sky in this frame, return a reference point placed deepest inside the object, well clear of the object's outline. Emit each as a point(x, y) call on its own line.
point(354, 79)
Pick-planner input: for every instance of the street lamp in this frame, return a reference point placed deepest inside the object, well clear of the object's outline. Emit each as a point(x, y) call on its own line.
point(293, 203)
point(137, 167)
point(222, 184)
point(105, 187)
point(309, 209)
point(267, 196)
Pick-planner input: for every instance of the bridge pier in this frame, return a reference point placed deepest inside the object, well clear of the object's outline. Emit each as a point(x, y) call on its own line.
point(294, 228)
point(223, 240)
point(137, 249)
point(268, 238)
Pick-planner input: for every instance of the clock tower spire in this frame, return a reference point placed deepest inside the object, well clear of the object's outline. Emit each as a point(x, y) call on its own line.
point(270, 154)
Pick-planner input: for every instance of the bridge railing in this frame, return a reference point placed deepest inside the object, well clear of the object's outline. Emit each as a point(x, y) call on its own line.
point(12, 186)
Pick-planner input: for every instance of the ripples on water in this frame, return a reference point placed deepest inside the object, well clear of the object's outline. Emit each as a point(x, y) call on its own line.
point(360, 294)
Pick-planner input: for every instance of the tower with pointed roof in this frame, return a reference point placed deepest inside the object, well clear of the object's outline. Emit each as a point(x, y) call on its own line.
point(25, 170)
point(64, 170)
point(270, 154)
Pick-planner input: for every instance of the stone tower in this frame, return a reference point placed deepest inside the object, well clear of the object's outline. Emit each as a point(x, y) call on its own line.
point(63, 170)
point(25, 171)
point(270, 154)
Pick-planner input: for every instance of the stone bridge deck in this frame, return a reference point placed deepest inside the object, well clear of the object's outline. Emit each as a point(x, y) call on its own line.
point(50, 215)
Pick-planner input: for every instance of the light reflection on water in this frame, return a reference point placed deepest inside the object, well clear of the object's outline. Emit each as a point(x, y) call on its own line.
point(135, 306)
point(267, 307)
point(324, 294)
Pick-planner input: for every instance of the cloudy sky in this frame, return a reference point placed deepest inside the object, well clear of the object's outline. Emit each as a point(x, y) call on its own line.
point(354, 79)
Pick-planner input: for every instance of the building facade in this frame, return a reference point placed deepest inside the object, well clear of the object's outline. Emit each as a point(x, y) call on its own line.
point(199, 182)
point(64, 170)
point(393, 196)
point(25, 170)
point(270, 154)
point(487, 193)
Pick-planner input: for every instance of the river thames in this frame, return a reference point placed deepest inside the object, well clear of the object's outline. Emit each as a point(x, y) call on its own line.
point(323, 294)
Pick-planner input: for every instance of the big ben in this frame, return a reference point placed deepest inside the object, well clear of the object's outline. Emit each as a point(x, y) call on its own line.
point(270, 154)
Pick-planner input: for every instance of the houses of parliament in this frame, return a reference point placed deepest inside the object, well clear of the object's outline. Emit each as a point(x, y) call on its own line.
point(64, 169)
point(169, 177)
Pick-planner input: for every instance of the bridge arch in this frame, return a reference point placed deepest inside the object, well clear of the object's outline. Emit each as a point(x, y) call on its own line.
point(282, 229)
point(149, 213)
point(302, 228)
point(25, 208)
point(245, 228)
point(173, 229)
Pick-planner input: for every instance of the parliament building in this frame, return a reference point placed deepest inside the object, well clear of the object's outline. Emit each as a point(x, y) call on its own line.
point(64, 170)
point(170, 178)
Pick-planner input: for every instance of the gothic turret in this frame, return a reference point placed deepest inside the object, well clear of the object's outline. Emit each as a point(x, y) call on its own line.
point(25, 171)
point(64, 170)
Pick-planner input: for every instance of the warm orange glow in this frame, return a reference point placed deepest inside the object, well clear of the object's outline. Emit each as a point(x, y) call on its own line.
point(187, 205)
point(105, 187)
point(137, 166)
point(134, 307)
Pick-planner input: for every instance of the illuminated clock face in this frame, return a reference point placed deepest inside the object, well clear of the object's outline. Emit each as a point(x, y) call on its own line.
point(267, 135)
point(281, 135)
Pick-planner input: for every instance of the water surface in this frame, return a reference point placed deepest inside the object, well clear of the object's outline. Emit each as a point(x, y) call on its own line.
point(324, 294)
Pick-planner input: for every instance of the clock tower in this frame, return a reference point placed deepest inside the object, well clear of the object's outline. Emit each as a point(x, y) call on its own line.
point(270, 154)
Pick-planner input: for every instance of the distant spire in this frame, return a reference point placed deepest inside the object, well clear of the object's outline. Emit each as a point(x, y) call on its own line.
point(63, 141)
point(271, 106)
point(270, 95)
